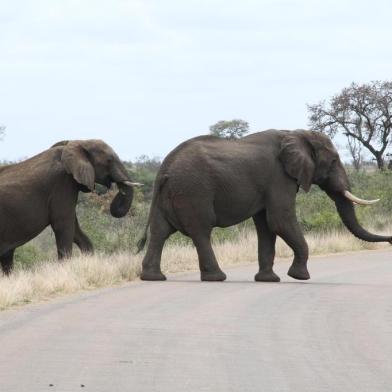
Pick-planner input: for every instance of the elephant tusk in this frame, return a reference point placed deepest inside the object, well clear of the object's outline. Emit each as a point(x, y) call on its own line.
point(357, 200)
point(132, 183)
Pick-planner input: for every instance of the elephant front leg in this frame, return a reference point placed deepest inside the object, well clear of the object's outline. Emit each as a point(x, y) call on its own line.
point(287, 227)
point(7, 261)
point(266, 249)
point(81, 239)
point(64, 234)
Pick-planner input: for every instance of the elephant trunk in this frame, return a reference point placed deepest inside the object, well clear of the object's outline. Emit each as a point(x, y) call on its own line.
point(346, 212)
point(123, 200)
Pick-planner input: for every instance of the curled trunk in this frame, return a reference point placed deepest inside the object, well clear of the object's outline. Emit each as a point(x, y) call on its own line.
point(122, 201)
point(346, 212)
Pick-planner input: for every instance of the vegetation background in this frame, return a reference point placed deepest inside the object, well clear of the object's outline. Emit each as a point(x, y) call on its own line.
point(361, 114)
point(315, 211)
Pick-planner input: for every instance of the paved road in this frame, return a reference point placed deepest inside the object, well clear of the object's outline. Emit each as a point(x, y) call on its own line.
point(332, 333)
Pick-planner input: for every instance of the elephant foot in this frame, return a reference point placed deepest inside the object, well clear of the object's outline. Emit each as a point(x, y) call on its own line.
point(7, 272)
point(267, 276)
point(216, 276)
point(299, 271)
point(152, 275)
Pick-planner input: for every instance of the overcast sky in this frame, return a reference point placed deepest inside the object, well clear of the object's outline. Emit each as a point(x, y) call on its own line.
point(146, 75)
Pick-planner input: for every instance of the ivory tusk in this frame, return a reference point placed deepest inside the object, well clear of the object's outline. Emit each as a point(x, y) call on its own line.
point(133, 183)
point(357, 200)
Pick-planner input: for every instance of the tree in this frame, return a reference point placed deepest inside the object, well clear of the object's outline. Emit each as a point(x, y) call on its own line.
point(144, 170)
point(145, 162)
point(234, 129)
point(362, 113)
point(355, 149)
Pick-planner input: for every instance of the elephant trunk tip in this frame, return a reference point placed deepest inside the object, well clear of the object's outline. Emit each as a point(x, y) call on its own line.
point(346, 211)
point(122, 202)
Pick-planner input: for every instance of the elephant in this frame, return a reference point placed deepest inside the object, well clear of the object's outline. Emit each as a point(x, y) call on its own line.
point(209, 182)
point(43, 191)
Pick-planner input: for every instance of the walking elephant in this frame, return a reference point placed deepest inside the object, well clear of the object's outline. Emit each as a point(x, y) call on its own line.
point(209, 182)
point(43, 191)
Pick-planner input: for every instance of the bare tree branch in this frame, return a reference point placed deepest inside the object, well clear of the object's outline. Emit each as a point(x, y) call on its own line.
point(360, 112)
point(355, 149)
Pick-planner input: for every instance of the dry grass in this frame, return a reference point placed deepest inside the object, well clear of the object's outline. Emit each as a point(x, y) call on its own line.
point(50, 279)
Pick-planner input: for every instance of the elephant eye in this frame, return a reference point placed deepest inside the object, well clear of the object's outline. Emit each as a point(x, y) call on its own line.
point(332, 165)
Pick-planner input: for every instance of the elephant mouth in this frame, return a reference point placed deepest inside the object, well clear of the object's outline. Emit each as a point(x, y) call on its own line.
point(108, 182)
point(357, 200)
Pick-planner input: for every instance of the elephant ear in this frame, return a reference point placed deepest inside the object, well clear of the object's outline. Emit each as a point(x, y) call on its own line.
point(76, 162)
point(296, 157)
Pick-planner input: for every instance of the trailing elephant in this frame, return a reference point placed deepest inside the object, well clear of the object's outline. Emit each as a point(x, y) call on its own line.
point(43, 191)
point(209, 182)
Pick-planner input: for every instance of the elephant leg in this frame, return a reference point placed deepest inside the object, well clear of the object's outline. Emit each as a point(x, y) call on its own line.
point(64, 234)
point(288, 228)
point(209, 267)
point(7, 261)
point(160, 231)
point(81, 239)
point(266, 249)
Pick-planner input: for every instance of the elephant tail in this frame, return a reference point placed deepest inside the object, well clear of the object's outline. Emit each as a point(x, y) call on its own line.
point(142, 241)
point(157, 188)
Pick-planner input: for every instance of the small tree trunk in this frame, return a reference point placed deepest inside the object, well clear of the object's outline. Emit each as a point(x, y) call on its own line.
point(356, 164)
point(380, 161)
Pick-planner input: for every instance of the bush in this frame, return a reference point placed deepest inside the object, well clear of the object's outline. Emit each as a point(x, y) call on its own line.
point(315, 211)
point(28, 256)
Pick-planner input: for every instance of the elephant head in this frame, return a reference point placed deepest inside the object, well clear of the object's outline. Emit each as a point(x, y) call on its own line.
point(93, 161)
point(310, 158)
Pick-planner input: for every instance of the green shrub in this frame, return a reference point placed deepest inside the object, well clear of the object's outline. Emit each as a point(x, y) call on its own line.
point(315, 211)
point(28, 255)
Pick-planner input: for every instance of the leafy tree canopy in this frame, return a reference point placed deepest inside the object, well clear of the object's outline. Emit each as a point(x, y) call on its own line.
point(234, 129)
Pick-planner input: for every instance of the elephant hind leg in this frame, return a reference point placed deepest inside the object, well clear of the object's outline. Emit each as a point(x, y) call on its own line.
point(81, 239)
point(64, 234)
point(160, 231)
point(197, 218)
point(7, 261)
point(209, 267)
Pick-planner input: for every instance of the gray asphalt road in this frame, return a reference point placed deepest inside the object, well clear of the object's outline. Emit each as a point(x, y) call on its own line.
point(332, 333)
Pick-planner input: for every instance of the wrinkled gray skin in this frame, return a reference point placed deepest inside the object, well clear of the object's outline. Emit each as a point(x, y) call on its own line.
point(208, 182)
point(43, 191)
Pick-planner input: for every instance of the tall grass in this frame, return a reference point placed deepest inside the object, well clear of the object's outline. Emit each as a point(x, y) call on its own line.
point(315, 210)
point(49, 279)
point(114, 239)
